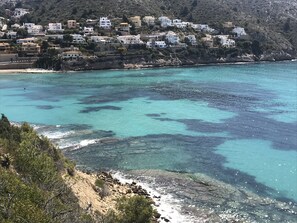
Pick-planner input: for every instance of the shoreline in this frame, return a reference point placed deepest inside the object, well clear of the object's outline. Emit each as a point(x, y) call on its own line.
point(216, 200)
point(117, 185)
point(201, 65)
point(137, 67)
point(26, 71)
point(168, 207)
point(93, 198)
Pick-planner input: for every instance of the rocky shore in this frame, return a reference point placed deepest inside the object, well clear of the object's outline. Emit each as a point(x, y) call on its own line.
point(206, 200)
point(144, 61)
point(200, 198)
point(103, 198)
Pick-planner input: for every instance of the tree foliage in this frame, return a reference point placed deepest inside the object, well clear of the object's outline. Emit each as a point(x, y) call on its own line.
point(136, 209)
point(49, 60)
point(31, 186)
point(256, 48)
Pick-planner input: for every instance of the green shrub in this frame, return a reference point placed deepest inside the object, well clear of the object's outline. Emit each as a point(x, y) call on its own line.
point(21, 203)
point(103, 188)
point(136, 209)
point(30, 159)
point(99, 183)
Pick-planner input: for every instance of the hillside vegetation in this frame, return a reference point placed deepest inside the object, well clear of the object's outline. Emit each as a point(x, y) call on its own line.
point(31, 187)
point(273, 22)
point(33, 190)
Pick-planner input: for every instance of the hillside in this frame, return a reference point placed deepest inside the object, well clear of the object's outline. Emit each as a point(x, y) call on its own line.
point(39, 185)
point(272, 22)
point(31, 188)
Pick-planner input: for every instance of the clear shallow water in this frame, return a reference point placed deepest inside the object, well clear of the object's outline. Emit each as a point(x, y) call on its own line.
point(276, 169)
point(236, 124)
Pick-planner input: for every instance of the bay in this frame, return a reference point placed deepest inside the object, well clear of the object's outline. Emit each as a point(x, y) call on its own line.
point(230, 125)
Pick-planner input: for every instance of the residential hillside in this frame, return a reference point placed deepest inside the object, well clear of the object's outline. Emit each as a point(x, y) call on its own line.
point(273, 22)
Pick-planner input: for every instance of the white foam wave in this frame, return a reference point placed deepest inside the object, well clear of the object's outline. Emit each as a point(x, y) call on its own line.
point(57, 134)
point(87, 142)
point(77, 145)
point(65, 139)
point(166, 205)
point(36, 70)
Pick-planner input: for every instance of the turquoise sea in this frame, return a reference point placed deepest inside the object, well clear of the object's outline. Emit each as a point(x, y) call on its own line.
point(218, 143)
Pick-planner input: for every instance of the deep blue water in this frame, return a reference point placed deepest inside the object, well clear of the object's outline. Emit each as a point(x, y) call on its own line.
point(235, 123)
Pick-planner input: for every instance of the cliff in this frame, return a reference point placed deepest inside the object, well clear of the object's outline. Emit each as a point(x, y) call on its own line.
point(167, 58)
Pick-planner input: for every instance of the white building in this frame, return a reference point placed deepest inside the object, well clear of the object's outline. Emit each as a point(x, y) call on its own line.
point(100, 39)
point(28, 25)
point(71, 55)
point(26, 40)
point(130, 39)
point(77, 38)
point(55, 27)
point(4, 27)
point(160, 44)
point(156, 44)
point(192, 39)
point(153, 36)
point(88, 30)
point(36, 30)
point(178, 23)
point(203, 28)
point(239, 31)
point(15, 26)
point(149, 20)
point(226, 42)
point(229, 43)
point(172, 38)
point(165, 21)
point(32, 28)
point(19, 12)
point(11, 34)
point(104, 23)
point(187, 24)
point(195, 26)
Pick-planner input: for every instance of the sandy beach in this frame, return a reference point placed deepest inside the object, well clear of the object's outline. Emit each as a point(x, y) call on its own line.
point(17, 71)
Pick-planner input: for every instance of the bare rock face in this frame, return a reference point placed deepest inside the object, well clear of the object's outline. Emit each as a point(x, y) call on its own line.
point(276, 56)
